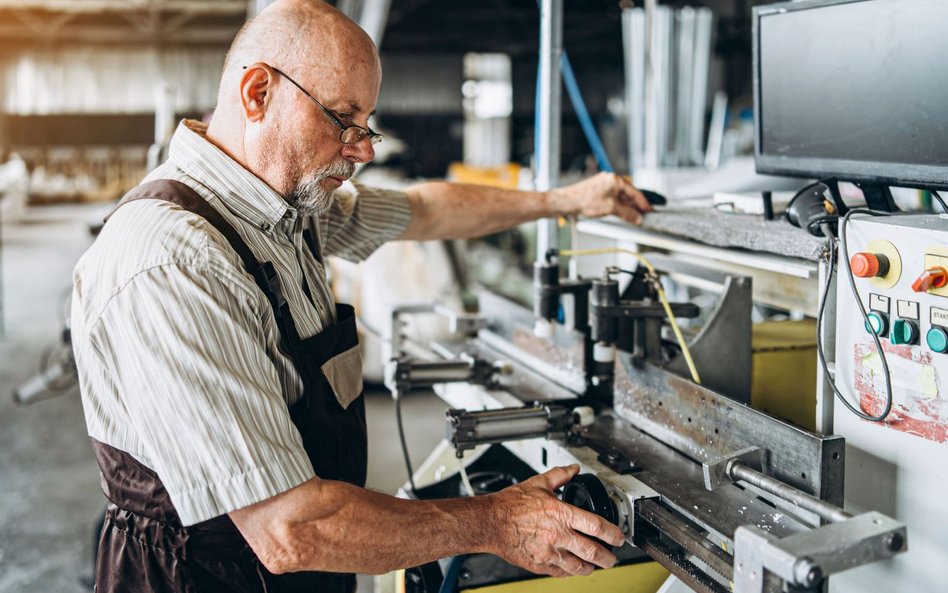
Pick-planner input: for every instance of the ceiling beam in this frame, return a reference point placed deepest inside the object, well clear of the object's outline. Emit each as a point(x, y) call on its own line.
point(214, 7)
point(112, 35)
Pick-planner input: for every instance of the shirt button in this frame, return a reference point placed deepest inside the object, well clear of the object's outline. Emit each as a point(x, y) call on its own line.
point(266, 227)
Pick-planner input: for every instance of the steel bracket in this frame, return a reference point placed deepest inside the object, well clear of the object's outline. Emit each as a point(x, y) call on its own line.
point(718, 470)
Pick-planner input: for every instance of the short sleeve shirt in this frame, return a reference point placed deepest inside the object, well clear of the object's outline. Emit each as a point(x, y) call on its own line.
point(177, 348)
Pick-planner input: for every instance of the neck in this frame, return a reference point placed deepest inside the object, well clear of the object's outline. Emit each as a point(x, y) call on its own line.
point(224, 137)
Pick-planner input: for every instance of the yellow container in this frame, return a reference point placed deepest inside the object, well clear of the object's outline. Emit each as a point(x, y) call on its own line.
point(644, 577)
point(506, 176)
point(784, 370)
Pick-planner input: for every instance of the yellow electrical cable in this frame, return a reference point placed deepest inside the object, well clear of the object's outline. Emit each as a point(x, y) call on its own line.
point(661, 296)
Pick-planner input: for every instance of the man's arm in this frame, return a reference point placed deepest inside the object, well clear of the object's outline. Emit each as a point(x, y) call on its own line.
point(441, 210)
point(332, 526)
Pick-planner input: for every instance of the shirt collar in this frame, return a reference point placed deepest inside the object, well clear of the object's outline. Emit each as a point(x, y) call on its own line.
point(241, 191)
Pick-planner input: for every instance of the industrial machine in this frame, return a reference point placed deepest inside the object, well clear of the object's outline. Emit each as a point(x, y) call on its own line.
point(723, 496)
point(714, 491)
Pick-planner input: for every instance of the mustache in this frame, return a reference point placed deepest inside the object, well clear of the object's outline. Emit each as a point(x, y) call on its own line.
point(337, 169)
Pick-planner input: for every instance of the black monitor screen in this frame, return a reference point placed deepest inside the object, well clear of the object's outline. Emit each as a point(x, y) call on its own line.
point(863, 84)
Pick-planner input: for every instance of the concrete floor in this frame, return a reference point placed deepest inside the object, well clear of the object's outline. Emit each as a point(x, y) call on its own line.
point(49, 485)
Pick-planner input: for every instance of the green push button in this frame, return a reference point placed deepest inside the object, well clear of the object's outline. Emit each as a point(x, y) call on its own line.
point(937, 339)
point(878, 324)
point(904, 332)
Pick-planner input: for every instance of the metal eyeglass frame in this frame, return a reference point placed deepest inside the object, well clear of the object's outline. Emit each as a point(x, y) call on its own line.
point(373, 136)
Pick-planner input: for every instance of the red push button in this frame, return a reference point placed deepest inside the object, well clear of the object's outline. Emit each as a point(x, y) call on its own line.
point(869, 265)
point(935, 277)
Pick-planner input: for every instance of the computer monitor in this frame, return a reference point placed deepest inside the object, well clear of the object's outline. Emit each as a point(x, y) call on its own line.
point(855, 90)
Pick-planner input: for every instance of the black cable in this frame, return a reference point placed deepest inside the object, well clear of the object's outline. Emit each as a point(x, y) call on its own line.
point(937, 196)
point(397, 396)
point(819, 319)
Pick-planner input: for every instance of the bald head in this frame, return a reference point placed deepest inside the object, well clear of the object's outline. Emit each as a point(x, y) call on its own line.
point(272, 127)
point(308, 33)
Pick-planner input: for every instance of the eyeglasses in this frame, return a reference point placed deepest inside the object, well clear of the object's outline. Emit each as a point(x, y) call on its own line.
point(348, 134)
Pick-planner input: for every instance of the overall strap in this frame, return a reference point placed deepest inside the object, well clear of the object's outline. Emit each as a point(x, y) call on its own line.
point(169, 190)
point(176, 192)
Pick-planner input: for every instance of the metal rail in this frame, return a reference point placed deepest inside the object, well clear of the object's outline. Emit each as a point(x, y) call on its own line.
point(687, 537)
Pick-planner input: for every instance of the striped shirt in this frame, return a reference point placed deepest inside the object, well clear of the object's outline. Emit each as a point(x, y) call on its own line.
point(177, 348)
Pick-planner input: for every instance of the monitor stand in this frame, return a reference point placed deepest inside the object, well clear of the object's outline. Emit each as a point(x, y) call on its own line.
point(878, 197)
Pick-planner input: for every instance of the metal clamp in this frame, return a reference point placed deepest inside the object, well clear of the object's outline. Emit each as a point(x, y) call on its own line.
point(806, 559)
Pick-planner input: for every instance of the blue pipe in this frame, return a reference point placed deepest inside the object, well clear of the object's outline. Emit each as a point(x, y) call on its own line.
point(585, 121)
point(579, 105)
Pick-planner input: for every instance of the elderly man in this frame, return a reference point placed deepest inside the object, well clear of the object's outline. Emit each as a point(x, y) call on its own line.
point(221, 382)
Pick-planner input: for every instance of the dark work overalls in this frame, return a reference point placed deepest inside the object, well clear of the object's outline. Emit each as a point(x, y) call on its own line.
point(144, 547)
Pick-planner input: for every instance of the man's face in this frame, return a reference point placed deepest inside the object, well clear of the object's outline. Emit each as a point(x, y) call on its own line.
point(305, 142)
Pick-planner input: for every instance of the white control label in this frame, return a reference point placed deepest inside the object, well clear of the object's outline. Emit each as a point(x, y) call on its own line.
point(908, 310)
point(940, 317)
point(880, 303)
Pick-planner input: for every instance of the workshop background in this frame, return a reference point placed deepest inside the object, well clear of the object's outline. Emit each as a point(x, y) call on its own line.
point(91, 91)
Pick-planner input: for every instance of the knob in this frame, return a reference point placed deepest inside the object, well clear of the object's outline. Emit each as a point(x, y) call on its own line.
point(869, 265)
point(878, 323)
point(904, 332)
point(937, 339)
point(934, 277)
point(587, 492)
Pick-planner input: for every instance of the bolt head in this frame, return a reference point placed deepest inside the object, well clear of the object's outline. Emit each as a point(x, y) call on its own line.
point(814, 576)
point(894, 541)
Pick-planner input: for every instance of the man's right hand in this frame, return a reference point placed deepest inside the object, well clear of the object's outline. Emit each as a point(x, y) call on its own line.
point(544, 535)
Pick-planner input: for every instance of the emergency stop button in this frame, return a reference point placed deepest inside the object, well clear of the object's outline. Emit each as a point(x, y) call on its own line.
point(934, 277)
point(869, 265)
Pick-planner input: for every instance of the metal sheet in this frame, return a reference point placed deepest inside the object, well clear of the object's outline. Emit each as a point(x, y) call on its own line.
point(704, 425)
point(680, 481)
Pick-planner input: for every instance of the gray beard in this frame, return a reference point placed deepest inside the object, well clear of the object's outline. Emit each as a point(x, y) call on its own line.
point(310, 197)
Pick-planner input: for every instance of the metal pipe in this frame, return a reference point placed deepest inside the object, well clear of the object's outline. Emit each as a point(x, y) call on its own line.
point(548, 116)
point(512, 429)
point(832, 513)
point(438, 371)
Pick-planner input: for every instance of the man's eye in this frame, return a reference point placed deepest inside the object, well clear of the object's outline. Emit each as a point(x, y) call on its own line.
point(347, 117)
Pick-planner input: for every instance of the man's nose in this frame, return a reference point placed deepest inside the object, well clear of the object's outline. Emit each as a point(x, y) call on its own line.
point(359, 152)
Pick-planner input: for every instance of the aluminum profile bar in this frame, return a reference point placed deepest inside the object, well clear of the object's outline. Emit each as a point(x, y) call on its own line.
point(548, 116)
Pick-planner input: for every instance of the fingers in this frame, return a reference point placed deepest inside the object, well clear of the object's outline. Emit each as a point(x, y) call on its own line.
point(627, 193)
point(558, 476)
point(589, 551)
point(595, 526)
point(628, 213)
point(570, 564)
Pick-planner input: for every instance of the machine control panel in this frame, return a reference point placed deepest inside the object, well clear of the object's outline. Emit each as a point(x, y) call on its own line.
point(900, 269)
point(897, 464)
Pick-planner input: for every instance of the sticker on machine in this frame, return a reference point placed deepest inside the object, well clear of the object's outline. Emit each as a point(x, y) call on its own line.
point(939, 317)
point(918, 408)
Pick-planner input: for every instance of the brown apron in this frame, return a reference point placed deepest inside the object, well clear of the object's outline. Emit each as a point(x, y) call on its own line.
point(144, 547)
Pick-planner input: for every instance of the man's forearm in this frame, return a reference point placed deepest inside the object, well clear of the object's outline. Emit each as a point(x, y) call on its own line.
point(441, 210)
point(357, 530)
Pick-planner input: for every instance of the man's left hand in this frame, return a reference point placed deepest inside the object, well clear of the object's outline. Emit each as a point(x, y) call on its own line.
point(602, 195)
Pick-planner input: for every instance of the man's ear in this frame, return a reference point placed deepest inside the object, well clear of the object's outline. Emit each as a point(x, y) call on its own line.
point(255, 86)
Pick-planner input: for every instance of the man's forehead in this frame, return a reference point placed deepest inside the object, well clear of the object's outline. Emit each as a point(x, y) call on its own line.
point(353, 91)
